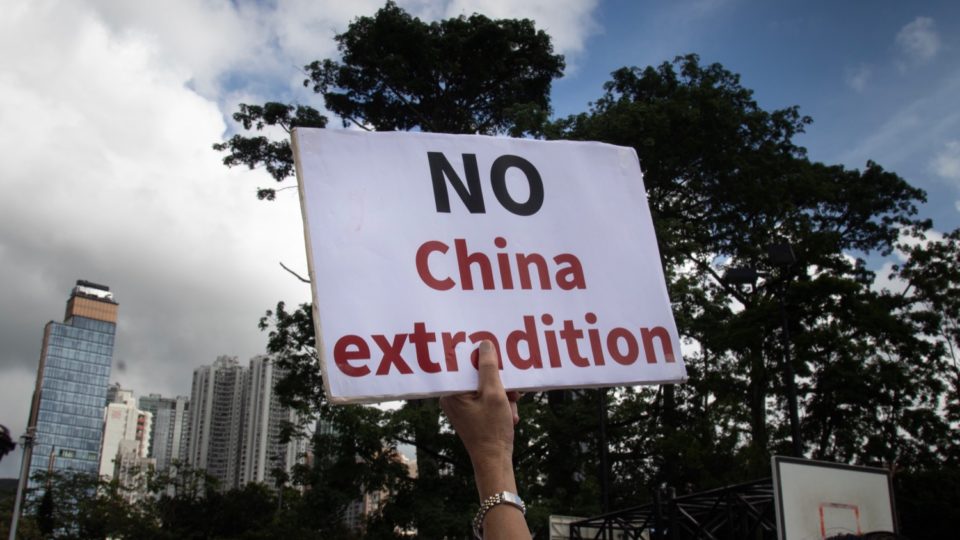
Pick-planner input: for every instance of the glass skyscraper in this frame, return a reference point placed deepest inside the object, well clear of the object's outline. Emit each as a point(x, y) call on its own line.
point(72, 378)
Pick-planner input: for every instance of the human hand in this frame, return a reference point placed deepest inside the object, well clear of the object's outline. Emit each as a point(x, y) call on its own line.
point(485, 421)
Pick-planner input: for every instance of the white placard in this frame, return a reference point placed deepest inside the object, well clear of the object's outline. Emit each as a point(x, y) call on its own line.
point(421, 245)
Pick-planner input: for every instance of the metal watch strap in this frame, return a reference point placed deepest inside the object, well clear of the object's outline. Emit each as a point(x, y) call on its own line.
point(504, 497)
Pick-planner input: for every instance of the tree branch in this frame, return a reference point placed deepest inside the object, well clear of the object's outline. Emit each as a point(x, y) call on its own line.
point(358, 124)
point(298, 276)
point(436, 455)
point(424, 122)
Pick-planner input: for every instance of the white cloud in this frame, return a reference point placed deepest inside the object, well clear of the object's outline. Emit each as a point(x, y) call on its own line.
point(204, 39)
point(918, 41)
point(569, 22)
point(858, 77)
point(946, 164)
point(305, 28)
point(109, 176)
point(884, 282)
point(883, 279)
point(911, 130)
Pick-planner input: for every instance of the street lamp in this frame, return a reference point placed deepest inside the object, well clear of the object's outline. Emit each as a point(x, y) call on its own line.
point(26, 441)
point(782, 256)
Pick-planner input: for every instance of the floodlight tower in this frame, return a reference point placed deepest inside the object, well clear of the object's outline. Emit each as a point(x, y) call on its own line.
point(780, 255)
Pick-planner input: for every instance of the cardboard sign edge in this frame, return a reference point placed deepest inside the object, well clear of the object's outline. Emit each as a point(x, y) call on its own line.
point(311, 271)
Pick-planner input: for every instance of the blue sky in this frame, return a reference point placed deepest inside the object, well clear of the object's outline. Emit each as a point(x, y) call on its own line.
point(880, 79)
point(109, 109)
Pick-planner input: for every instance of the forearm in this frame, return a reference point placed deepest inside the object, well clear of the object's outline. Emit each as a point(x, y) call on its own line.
point(494, 476)
point(485, 421)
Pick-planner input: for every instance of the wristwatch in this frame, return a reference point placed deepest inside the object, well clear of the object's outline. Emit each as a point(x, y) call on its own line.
point(504, 497)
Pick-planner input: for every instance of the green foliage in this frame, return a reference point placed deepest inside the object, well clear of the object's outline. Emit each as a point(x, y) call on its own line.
point(725, 179)
point(396, 72)
point(930, 301)
point(460, 75)
point(73, 505)
point(275, 156)
point(355, 445)
point(27, 528)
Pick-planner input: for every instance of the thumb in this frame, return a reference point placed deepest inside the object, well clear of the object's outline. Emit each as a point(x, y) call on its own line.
point(489, 369)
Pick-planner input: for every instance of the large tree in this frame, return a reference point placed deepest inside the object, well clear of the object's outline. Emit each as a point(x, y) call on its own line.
point(725, 179)
point(460, 75)
point(396, 72)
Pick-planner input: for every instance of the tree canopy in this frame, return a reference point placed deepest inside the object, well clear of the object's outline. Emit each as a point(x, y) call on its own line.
point(397, 72)
point(725, 180)
point(459, 75)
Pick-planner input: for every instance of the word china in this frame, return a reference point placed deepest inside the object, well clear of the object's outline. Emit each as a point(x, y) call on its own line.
point(568, 271)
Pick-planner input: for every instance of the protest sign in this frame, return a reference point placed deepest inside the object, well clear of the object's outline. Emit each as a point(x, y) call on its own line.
point(421, 245)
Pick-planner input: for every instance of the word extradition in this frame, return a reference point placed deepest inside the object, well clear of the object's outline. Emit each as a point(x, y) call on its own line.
point(524, 347)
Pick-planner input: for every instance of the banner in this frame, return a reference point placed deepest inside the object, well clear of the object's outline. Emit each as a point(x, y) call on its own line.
point(421, 245)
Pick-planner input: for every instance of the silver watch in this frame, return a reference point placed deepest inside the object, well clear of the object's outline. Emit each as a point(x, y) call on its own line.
point(504, 497)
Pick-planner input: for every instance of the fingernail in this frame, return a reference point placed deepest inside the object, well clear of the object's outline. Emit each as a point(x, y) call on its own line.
point(486, 346)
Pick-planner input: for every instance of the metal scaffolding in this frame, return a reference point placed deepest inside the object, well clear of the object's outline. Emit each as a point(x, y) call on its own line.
point(738, 512)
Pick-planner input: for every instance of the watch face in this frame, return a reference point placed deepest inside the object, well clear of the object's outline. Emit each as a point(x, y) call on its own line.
point(512, 498)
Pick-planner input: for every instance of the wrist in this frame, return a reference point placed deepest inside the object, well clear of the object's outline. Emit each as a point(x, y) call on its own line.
point(493, 475)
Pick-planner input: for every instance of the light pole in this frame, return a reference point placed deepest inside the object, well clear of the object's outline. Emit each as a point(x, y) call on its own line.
point(782, 256)
point(604, 460)
point(26, 441)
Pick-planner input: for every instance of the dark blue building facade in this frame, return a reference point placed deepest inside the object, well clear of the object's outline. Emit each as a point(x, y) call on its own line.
point(72, 378)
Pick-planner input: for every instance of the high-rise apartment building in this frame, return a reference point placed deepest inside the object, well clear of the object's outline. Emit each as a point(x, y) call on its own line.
point(170, 428)
point(124, 424)
point(215, 420)
point(75, 359)
point(261, 451)
point(235, 423)
point(132, 470)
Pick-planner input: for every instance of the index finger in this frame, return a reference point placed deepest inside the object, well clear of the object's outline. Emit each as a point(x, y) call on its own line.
point(488, 368)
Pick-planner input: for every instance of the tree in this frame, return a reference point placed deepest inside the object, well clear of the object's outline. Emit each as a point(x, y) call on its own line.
point(81, 505)
point(725, 179)
point(396, 72)
point(930, 301)
point(6, 442)
point(354, 446)
point(275, 156)
point(460, 75)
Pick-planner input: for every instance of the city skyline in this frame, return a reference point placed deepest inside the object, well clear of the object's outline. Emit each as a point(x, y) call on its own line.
point(82, 423)
point(112, 177)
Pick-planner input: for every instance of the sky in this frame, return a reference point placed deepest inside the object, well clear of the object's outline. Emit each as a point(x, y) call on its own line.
point(108, 111)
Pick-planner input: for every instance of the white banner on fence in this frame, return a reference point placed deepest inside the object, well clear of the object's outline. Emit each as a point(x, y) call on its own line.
point(421, 245)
